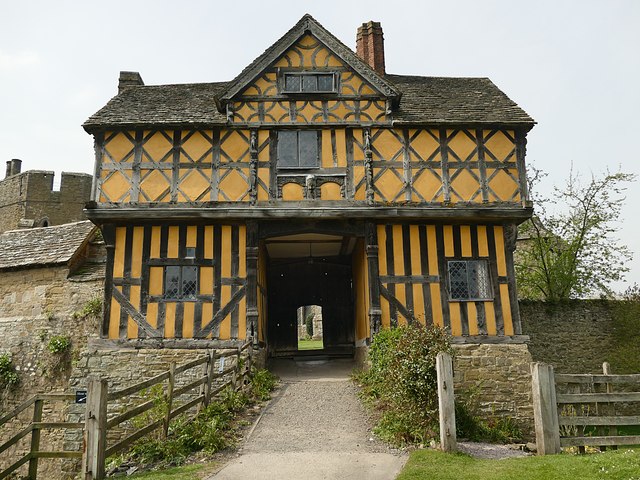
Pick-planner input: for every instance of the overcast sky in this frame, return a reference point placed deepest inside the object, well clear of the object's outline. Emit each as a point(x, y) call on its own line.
point(573, 65)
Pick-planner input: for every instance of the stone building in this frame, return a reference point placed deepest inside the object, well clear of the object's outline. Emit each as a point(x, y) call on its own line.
point(28, 199)
point(315, 177)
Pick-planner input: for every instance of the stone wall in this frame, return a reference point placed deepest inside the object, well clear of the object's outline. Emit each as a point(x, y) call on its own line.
point(498, 377)
point(30, 196)
point(576, 336)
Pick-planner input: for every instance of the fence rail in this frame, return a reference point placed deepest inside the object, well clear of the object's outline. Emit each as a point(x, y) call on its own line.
point(97, 424)
point(581, 419)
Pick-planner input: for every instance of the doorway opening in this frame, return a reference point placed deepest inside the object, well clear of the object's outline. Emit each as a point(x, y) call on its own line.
point(310, 328)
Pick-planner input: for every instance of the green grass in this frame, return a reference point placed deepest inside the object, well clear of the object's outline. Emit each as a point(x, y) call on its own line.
point(623, 464)
point(188, 472)
point(310, 345)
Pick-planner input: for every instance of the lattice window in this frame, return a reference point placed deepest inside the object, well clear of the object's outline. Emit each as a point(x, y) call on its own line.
point(298, 149)
point(469, 280)
point(180, 282)
point(308, 82)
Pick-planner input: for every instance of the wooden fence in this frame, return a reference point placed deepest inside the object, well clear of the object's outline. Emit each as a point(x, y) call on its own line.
point(98, 423)
point(568, 416)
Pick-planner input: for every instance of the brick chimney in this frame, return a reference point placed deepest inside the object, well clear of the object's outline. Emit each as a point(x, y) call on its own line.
point(14, 167)
point(370, 45)
point(129, 79)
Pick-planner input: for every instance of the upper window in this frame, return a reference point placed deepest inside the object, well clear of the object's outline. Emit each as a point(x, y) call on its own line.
point(469, 280)
point(180, 282)
point(298, 149)
point(309, 82)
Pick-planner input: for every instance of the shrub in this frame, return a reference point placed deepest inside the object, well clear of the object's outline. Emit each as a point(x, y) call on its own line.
point(262, 384)
point(58, 344)
point(402, 381)
point(92, 308)
point(309, 324)
point(8, 375)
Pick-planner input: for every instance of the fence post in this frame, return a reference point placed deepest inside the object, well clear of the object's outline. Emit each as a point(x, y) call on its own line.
point(236, 370)
point(545, 409)
point(613, 430)
point(95, 430)
point(446, 402)
point(35, 439)
point(210, 372)
point(172, 382)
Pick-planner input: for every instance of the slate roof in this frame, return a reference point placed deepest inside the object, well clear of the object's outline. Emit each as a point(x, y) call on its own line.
point(43, 246)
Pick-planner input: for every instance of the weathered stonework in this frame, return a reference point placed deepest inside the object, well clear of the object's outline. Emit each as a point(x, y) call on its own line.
point(499, 378)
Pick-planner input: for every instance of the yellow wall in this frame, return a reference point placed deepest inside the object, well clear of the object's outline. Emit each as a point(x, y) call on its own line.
point(413, 263)
point(361, 291)
point(138, 267)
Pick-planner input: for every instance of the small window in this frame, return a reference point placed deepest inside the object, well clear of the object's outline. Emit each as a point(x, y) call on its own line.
point(469, 280)
point(298, 149)
point(180, 282)
point(309, 82)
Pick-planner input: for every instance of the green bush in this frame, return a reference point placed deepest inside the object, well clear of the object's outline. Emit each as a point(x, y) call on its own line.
point(58, 344)
point(92, 308)
point(402, 382)
point(309, 324)
point(8, 375)
point(262, 384)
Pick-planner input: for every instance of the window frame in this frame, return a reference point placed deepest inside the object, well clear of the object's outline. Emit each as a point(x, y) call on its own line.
point(298, 166)
point(181, 296)
point(490, 295)
point(282, 84)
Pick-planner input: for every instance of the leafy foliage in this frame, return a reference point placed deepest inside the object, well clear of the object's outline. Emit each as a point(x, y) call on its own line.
point(92, 308)
point(262, 384)
point(402, 382)
point(573, 253)
point(8, 375)
point(58, 343)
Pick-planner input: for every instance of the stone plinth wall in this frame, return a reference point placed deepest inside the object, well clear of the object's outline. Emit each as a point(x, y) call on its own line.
point(499, 379)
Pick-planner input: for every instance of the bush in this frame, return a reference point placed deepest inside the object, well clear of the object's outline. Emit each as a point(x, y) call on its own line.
point(262, 384)
point(58, 344)
point(8, 375)
point(402, 382)
point(92, 308)
point(309, 324)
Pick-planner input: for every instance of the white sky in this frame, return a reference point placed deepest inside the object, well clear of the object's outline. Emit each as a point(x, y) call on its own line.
point(573, 65)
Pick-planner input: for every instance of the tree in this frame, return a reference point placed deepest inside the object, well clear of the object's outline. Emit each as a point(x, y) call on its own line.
point(573, 253)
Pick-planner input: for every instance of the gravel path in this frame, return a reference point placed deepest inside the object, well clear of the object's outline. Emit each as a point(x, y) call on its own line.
point(314, 428)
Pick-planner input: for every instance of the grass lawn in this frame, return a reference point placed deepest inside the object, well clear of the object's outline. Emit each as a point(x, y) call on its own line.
point(187, 472)
point(310, 345)
point(623, 464)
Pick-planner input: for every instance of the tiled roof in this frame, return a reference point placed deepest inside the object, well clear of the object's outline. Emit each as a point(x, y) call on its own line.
point(43, 246)
point(425, 100)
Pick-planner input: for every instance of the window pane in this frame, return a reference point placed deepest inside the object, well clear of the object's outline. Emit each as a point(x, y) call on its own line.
point(191, 252)
point(309, 83)
point(479, 280)
point(172, 282)
point(308, 148)
point(287, 149)
point(189, 282)
point(325, 83)
point(458, 280)
point(292, 83)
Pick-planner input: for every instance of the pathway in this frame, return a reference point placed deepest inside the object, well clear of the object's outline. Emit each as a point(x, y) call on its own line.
point(315, 428)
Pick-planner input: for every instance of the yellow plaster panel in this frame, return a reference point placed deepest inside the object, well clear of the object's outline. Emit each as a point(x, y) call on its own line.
point(235, 145)
point(242, 251)
point(503, 185)
point(309, 112)
point(330, 191)
point(225, 296)
point(473, 318)
point(385, 145)
point(398, 253)
point(276, 112)
point(263, 140)
point(158, 147)
point(155, 242)
point(242, 318)
point(226, 251)
point(155, 187)
point(114, 321)
point(372, 111)
point(134, 298)
point(456, 322)
point(116, 186)
point(414, 244)
point(188, 312)
point(428, 185)
point(155, 281)
point(119, 148)
point(448, 241)
point(388, 184)
point(506, 309)
point(244, 111)
point(358, 145)
point(207, 314)
point(490, 313)
point(208, 242)
point(136, 253)
point(118, 260)
point(423, 145)
point(197, 148)
point(192, 232)
point(327, 150)
point(170, 320)
point(462, 145)
point(292, 191)
point(433, 251)
point(341, 147)
point(234, 185)
point(483, 245)
point(194, 185)
point(501, 147)
point(206, 280)
point(500, 258)
point(418, 303)
point(263, 86)
point(152, 314)
point(385, 317)
point(465, 237)
point(382, 254)
point(465, 185)
point(263, 175)
point(401, 295)
point(358, 175)
point(436, 304)
point(339, 110)
point(173, 242)
point(324, 58)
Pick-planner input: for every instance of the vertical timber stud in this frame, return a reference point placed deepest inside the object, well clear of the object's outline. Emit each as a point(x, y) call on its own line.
point(95, 430)
point(446, 403)
point(109, 236)
point(252, 280)
point(253, 166)
point(444, 156)
point(35, 439)
point(521, 151)
point(98, 148)
point(510, 236)
point(371, 247)
point(368, 166)
point(545, 410)
point(169, 399)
